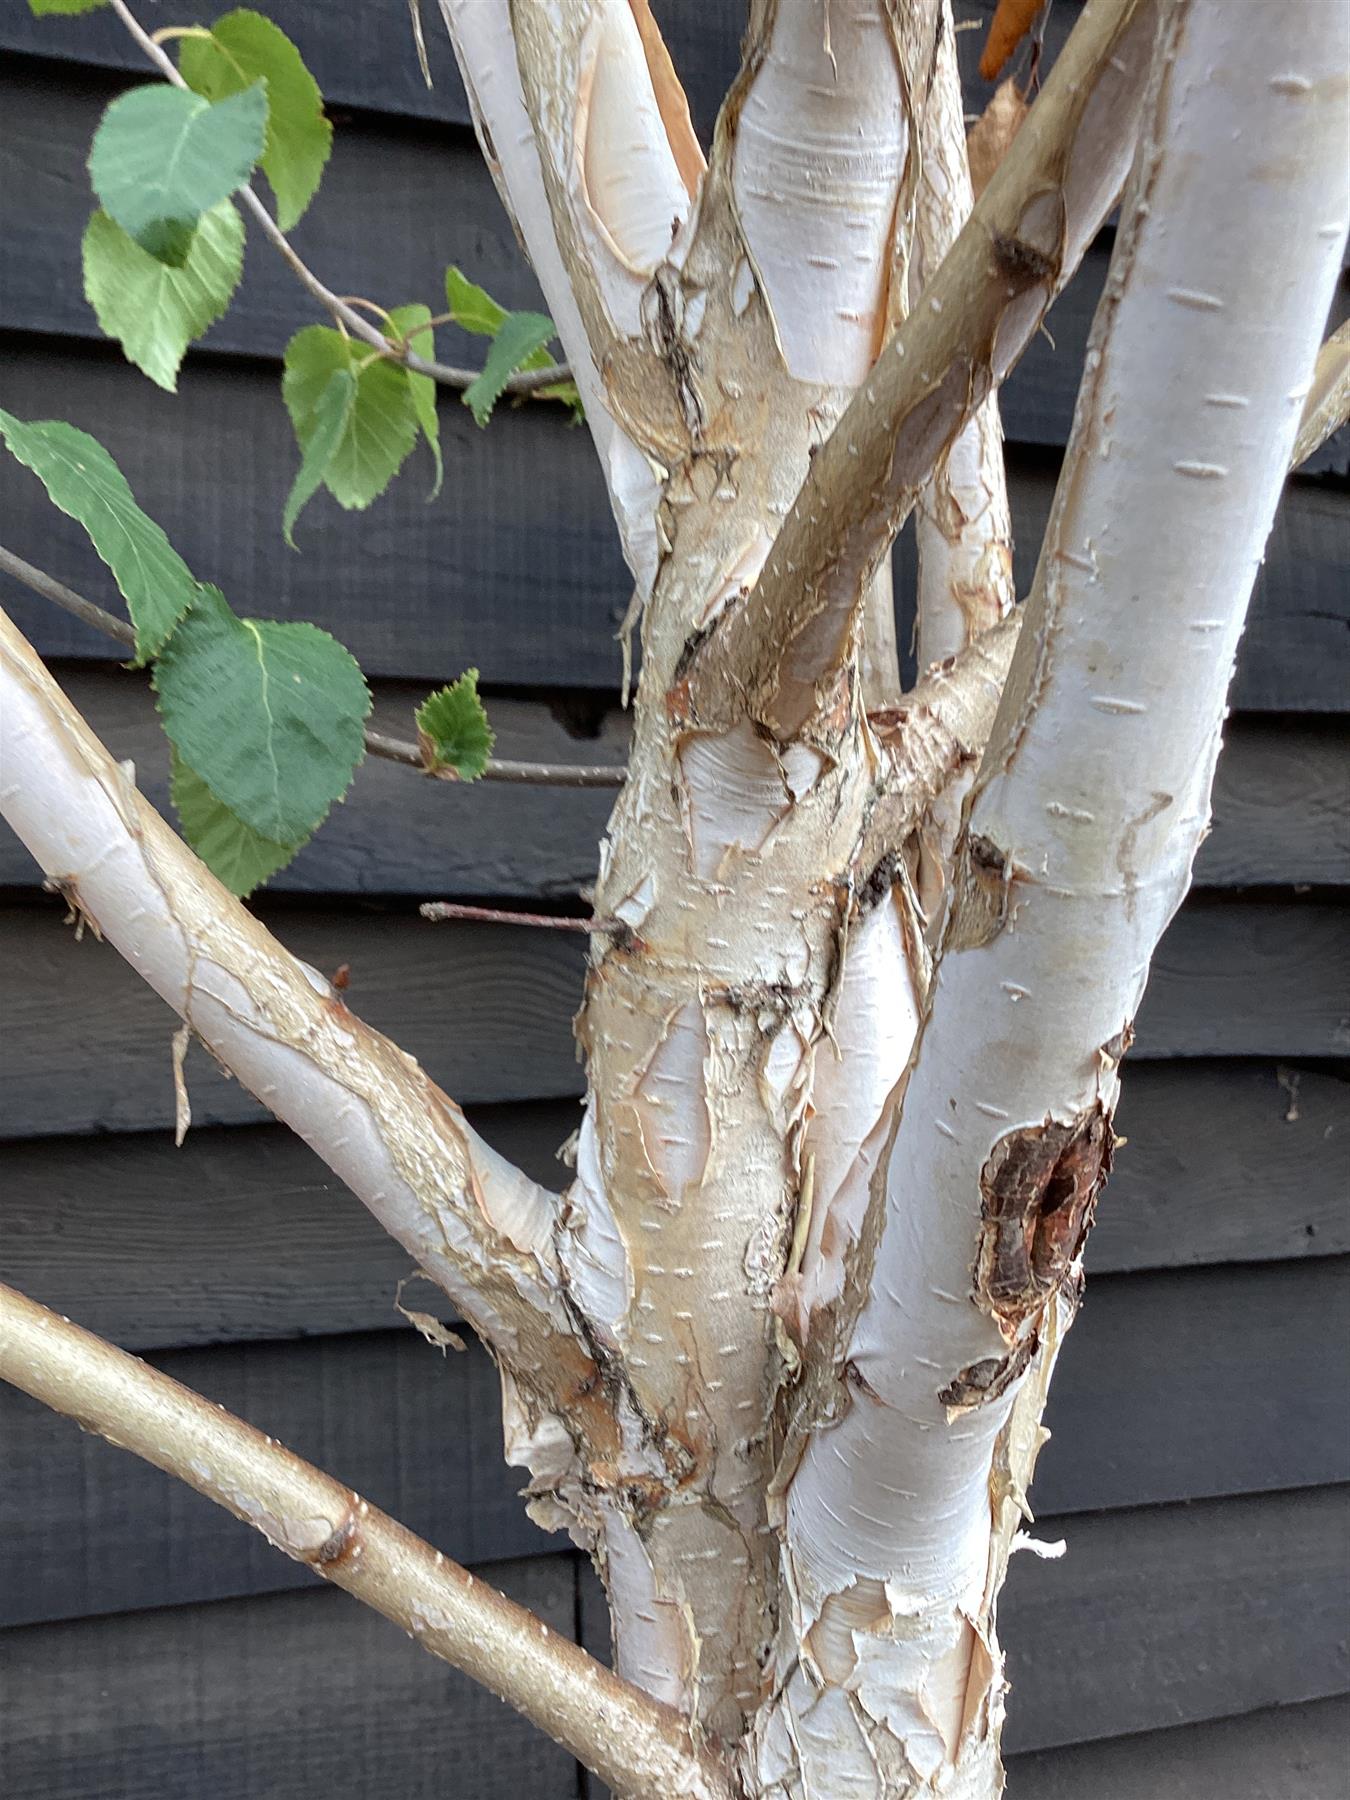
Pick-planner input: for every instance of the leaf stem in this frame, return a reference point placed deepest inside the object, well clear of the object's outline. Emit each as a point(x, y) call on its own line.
point(378, 743)
point(525, 381)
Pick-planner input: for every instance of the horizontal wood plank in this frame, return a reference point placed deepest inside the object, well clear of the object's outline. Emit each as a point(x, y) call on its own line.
point(487, 1009)
point(244, 1234)
point(1282, 806)
point(1178, 1614)
point(1285, 1753)
point(306, 1695)
point(515, 568)
point(1170, 1386)
point(372, 232)
point(1161, 1617)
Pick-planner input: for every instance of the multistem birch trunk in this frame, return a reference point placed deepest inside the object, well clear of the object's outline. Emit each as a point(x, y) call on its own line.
point(866, 974)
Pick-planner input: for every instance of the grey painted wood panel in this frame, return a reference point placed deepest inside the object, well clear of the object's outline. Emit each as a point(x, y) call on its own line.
point(1171, 1386)
point(1282, 807)
point(303, 1696)
point(487, 1008)
point(244, 1234)
point(1285, 1753)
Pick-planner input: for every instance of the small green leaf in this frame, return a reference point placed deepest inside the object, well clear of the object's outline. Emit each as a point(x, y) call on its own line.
point(244, 47)
point(522, 335)
point(155, 311)
point(405, 319)
point(41, 7)
point(472, 307)
point(268, 713)
point(325, 429)
point(86, 484)
point(380, 425)
point(233, 852)
point(161, 157)
point(453, 728)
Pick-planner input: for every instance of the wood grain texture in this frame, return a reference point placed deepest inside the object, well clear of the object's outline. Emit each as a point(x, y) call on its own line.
point(302, 1696)
point(515, 568)
point(244, 1234)
point(88, 1042)
point(1282, 809)
point(1171, 1386)
point(1161, 1617)
point(1179, 1613)
point(1285, 1753)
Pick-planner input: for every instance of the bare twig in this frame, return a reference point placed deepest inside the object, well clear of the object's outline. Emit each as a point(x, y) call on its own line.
point(636, 1744)
point(525, 381)
point(439, 910)
point(378, 743)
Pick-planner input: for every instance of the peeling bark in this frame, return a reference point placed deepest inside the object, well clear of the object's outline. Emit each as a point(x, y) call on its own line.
point(903, 1510)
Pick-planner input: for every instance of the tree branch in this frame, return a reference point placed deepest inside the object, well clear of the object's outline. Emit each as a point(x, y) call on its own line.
point(475, 1224)
point(484, 39)
point(629, 1740)
point(1328, 404)
point(963, 521)
point(772, 653)
point(524, 382)
point(378, 743)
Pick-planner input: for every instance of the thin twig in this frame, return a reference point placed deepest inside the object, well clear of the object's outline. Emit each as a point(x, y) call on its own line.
point(636, 1744)
point(438, 910)
point(525, 381)
point(378, 743)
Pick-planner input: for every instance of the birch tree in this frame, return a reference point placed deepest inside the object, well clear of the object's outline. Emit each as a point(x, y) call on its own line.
point(864, 961)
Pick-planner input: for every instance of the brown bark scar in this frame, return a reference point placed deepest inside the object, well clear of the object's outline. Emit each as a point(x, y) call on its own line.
point(1038, 1191)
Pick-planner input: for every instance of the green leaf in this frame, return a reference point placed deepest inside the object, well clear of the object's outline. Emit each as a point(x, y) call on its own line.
point(380, 426)
point(327, 423)
point(154, 311)
point(233, 852)
point(404, 319)
point(162, 157)
point(41, 7)
point(86, 484)
point(453, 728)
point(269, 714)
point(244, 47)
point(521, 336)
point(472, 307)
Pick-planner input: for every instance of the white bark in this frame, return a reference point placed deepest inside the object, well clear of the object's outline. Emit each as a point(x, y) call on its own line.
point(478, 1227)
point(615, 110)
point(1087, 813)
point(962, 521)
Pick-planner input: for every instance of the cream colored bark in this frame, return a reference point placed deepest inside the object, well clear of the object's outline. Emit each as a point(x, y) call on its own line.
point(962, 520)
point(1090, 803)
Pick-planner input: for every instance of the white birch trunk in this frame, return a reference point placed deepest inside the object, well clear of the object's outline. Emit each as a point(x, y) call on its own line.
point(1090, 804)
